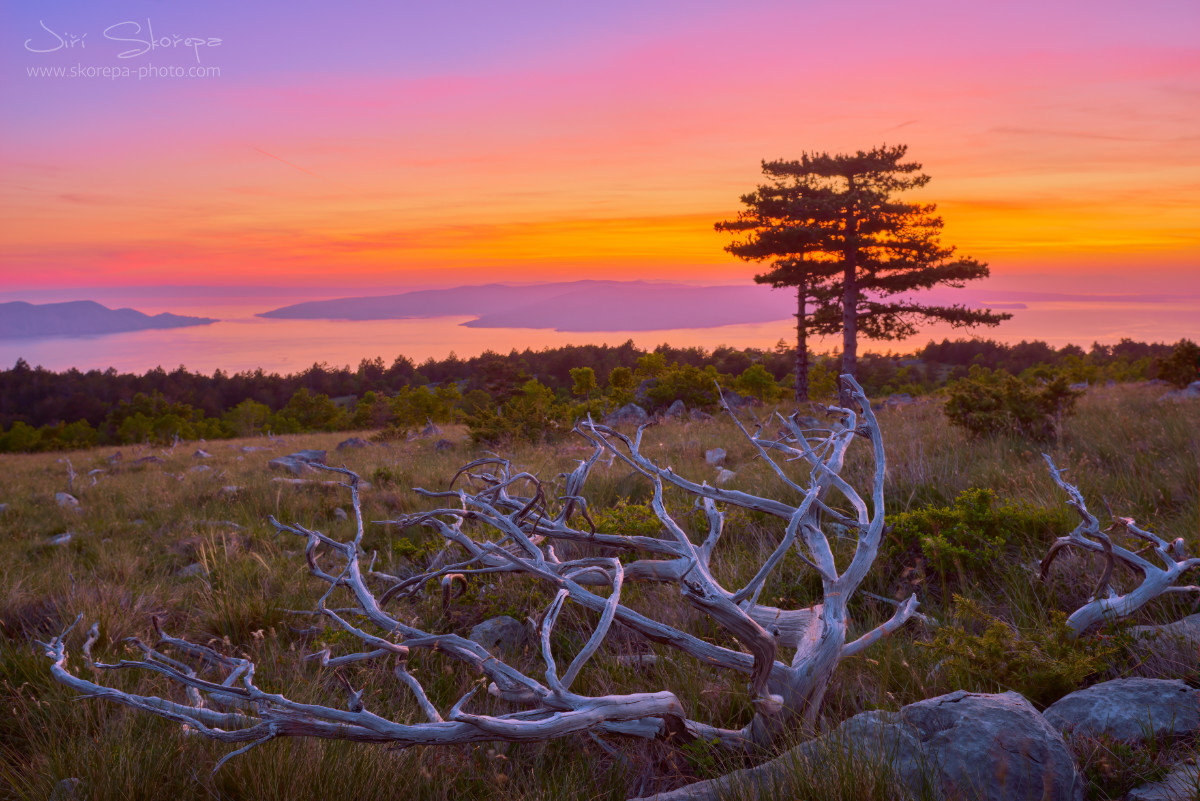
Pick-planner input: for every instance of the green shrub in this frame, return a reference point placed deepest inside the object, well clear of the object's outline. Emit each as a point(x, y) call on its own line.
point(983, 651)
point(531, 415)
point(990, 402)
point(971, 534)
point(1182, 367)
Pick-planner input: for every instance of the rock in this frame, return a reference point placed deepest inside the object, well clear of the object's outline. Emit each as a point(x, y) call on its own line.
point(715, 456)
point(1130, 710)
point(61, 539)
point(3, 508)
point(837, 530)
point(202, 454)
point(443, 445)
point(807, 422)
point(629, 414)
point(430, 430)
point(67, 790)
point(252, 448)
point(148, 460)
point(1170, 648)
point(353, 442)
point(1190, 392)
point(116, 457)
point(724, 476)
point(230, 489)
point(66, 500)
point(1080, 386)
point(500, 635)
point(1179, 785)
point(700, 415)
point(194, 569)
point(676, 410)
point(199, 468)
point(642, 393)
point(297, 463)
point(340, 514)
point(960, 745)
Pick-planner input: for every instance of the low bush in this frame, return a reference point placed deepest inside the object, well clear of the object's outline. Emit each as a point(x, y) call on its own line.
point(990, 402)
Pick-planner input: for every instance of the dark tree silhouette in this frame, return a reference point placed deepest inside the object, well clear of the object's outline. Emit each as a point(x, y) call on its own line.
point(839, 234)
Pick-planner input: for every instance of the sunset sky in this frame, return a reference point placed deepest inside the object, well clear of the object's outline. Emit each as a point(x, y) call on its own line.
point(402, 145)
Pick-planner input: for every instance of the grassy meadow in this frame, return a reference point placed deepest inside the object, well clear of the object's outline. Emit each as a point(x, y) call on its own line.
point(168, 538)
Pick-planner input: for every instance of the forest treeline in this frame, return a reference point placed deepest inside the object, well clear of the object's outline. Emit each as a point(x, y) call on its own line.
point(45, 410)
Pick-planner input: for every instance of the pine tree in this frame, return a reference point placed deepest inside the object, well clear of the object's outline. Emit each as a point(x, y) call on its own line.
point(839, 234)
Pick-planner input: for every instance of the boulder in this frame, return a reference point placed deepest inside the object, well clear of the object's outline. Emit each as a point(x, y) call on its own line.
point(148, 460)
point(353, 442)
point(60, 539)
point(629, 414)
point(724, 476)
point(199, 468)
point(1188, 393)
point(66, 500)
point(700, 415)
point(297, 463)
point(192, 570)
point(1131, 710)
point(715, 456)
point(676, 410)
point(1169, 650)
point(202, 454)
point(956, 746)
point(1178, 785)
point(500, 635)
point(443, 445)
point(340, 514)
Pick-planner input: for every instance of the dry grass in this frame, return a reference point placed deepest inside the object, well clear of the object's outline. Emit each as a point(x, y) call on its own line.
point(142, 528)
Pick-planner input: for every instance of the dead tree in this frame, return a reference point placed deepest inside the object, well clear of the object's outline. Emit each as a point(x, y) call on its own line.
point(525, 534)
point(1105, 604)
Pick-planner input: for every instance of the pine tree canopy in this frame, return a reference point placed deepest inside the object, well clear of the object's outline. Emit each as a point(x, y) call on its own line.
point(835, 229)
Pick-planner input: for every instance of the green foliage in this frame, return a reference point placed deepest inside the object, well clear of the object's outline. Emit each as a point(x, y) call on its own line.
point(531, 415)
point(1043, 664)
point(1182, 367)
point(758, 383)
point(696, 387)
point(372, 411)
point(971, 534)
point(628, 520)
point(248, 418)
point(583, 381)
point(1113, 767)
point(990, 402)
point(414, 406)
point(309, 412)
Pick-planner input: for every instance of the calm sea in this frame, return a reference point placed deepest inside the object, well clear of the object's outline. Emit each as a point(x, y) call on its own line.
point(241, 341)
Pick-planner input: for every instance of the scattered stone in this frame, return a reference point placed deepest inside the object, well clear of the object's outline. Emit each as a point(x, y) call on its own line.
point(199, 468)
point(194, 569)
point(66, 500)
point(353, 442)
point(961, 745)
point(500, 635)
point(116, 457)
point(313, 482)
point(1179, 785)
point(297, 463)
point(807, 422)
point(735, 401)
point(1190, 392)
point(715, 456)
point(899, 399)
point(3, 508)
point(724, 476)
point(1130, 710)
point(340, 514)
point(230, 489)
point(67, 790)
point(443, 445)
point(252, 448)
point(61, 539)
point(837, 530)
point(1080, 386)
point(676, 410)
point(430, 430)
point(148, 460)
point(638, 660)
point(629, 414)
point(700, 415)
point(202, 454)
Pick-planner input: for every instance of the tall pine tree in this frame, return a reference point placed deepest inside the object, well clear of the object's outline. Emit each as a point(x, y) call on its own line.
point(839, 235)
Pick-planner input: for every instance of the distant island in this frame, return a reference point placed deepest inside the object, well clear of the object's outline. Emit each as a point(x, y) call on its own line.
point(77, 318)
point(573, 306)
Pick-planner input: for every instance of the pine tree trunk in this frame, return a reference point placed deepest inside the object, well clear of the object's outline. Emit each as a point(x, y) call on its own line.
point(801, 345)
point(850, 302)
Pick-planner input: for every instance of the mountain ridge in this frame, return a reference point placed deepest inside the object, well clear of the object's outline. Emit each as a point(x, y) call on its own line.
point(77, 318)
